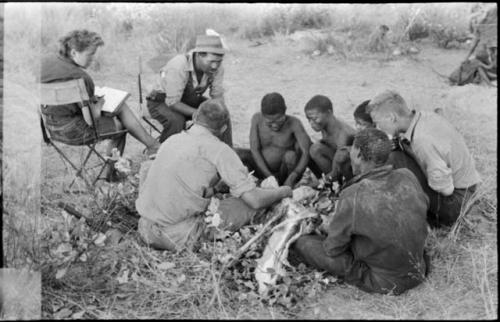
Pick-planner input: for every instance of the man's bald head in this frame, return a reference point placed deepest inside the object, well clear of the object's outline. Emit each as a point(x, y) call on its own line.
point(212, 114)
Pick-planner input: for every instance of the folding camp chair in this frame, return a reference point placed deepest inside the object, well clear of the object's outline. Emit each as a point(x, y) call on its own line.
point(74, 92)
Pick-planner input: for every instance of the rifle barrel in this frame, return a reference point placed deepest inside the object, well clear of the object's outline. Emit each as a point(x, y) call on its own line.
point(140, 88)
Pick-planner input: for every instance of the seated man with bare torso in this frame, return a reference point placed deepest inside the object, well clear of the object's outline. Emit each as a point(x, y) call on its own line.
point(279, 144)
point(335, 134)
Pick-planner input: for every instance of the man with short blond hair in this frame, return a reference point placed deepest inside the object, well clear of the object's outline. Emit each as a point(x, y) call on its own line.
point(439, 149)
point(393, 103)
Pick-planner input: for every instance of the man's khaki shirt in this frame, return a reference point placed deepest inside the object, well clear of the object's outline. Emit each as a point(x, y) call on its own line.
point(186, 165)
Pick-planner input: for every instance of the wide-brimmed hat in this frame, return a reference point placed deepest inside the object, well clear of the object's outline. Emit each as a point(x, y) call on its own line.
point(209, 44)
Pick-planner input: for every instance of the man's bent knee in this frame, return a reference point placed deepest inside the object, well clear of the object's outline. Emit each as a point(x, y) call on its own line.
point(315, 150)
point(235, 213)
point(290, 158)
point(152, 237)
point(320, 150)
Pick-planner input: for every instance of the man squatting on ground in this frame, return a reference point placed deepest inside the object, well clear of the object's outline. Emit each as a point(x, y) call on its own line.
point(279, 144)
point(183, 80)
point(438, 148)
point(335, 133)
point(377, 234)
point(181, 181)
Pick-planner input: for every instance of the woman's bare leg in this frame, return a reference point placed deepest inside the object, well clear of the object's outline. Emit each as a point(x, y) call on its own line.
point(132, 124)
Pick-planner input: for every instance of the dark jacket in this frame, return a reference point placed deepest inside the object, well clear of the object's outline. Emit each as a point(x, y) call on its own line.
point(381, 221)
point(60, 69)
point(66, 122)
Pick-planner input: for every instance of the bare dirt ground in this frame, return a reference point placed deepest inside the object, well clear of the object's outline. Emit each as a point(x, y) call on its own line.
point(250, 73)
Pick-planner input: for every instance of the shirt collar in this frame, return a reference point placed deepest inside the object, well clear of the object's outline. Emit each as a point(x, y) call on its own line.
point(68, 60)
point(369, 173)
point(190, 68)
point(409, 133)
point(197, 129)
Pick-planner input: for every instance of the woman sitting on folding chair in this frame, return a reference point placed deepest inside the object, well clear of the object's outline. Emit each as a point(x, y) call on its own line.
point(72, 125)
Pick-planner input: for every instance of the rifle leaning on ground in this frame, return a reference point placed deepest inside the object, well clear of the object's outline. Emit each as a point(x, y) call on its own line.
point(139, 84)
point(124, 222)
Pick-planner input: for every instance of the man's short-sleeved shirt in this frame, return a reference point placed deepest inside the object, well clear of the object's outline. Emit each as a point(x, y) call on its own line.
point(175, 75)
point(441, 152)
point(186, 164)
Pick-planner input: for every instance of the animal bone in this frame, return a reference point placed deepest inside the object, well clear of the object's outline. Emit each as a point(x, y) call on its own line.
point(278, 211)
point(270, 265)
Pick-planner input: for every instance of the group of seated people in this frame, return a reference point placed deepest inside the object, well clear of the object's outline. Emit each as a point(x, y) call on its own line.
point(400, 170)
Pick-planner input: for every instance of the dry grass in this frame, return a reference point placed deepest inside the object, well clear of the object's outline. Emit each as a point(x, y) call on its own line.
point(20, 295)
point(463, 280)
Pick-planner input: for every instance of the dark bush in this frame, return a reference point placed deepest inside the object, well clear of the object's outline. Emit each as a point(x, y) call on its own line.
point(418, 31)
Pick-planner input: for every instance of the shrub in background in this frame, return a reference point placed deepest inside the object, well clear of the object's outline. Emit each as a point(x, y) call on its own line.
point(444, 23)
point(159, 29)
point(285, 19)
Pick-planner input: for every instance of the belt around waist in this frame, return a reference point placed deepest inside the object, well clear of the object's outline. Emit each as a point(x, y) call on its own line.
point(469, 188)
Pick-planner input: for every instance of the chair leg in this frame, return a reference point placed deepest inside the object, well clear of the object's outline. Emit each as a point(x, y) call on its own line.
point(82, 167)
point(64, 156)
point(92, 148)
point(106, 162)
point(78, 171)
point(82, 173)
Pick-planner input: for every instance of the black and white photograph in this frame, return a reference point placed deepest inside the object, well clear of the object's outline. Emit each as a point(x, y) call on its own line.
point(278, 161)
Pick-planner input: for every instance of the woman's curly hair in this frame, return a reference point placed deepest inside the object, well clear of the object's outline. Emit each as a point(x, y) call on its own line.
point(79, 40)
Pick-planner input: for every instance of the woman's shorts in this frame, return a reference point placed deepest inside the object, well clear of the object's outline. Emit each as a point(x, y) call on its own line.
point(75, 131)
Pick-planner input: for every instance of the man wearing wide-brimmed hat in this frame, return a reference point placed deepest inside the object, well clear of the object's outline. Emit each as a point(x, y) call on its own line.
point(183, 80)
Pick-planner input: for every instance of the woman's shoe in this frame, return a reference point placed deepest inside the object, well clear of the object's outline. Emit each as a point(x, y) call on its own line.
point(110, 174)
